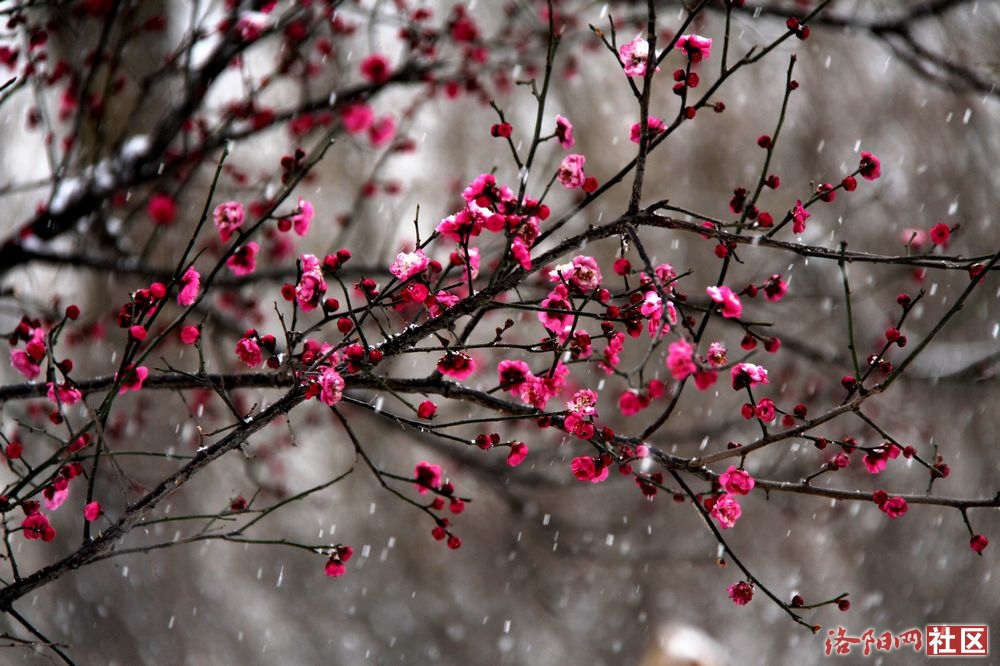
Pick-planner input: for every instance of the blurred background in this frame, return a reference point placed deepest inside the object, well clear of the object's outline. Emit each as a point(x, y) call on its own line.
point(551, 570)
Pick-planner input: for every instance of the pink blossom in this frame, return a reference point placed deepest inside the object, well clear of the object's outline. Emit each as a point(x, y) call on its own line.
point(765, 410)
point(408, 264)
point(92, 511)
point(731, 305)
point(54, 497)
point(190, 285)
point(586, 468)
point(695, 46)
point(939, 233)
point(311, 287)
point(705, 379)
point(302, 217)
point(741, 593)
point(582, 274)
point(535, 391)
point(190, 334)
point(376, 68)
point(564, 132)
point(24, 364)
point(457, 365)
point(133, 379)
point(331, 386)
point(871, 167)
point(228, 217)
point(655, 125)
point(334, 568)
point(37, 526)
point(518, 452)
point(521, 252)
point(162, 208)
point(616, 343)
point(633, 56)
point(381, 131)
point(511, 374)
point(877, 459)
point(736, 481)
point(557, 315)
point(716, 355)
point(894, 507)
point(775, 288)
point(631, 403)
point(799, 217)
point(570, 172)
point(244, 260)
point(356, 118)
point(680, 360)
point(249, 352)
point(63, 394)
point(726, 510)
point(427, 476)
point(747, 375)
point(583, 403)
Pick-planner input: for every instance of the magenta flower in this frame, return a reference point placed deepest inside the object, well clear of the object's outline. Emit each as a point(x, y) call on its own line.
point(190, 285)
point(427, 476)
point(696, 47)
point(408, 264)
point(586, 468)
point(331, 386)
point(583, 403)
point(311, 287)
point(92, 512)
point(680, 360)
point(63, 394)
point(736, 481)
point(37, 526)
point(249, 352)
point(582, 274)
point(564, 132)
point(747, 375)
point(228, 217)
point(731, 305)
point(244, 261)
point(799, 217)
point(356, 118)
point(871, 167)
point(134, 378)
point(726, 510)
point(741, 593)
point(633, 56)
point(570, 172)
point(655, 125)
point(302, 217)
point(518, 452)
point(457, 365)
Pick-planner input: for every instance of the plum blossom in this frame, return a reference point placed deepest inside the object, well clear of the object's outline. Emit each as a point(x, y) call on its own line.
point(655, 125)
point(37, 526)
point(939, 233)
point(583, 403)
point(736, 481)
point(799, 217)
point(716, 355)
point(746, 375)
point(511, 374)
point(696, 47)
point(741, 593)
point(518, 452)
point(582, 274)
point(871, 167)
point(731, 305)
point(520, 250)
point(586, 468)
point(228, 217)
point(408, 264)
point(133, 378)
point(249, 352)
point(726, 510)
point(302, 217)
point(557, 312)
point(92, 511)
point(877, 459)
point(570, 172)
point(63, 394)
point(564, 132)
point(331, 386)
point(633, 56)
point(244, 261)
point(190, 285)
point(427, 476)
point(775, 288)
point(356, 118)
point(311, 287)
point(457, 365)
point(680, 360)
